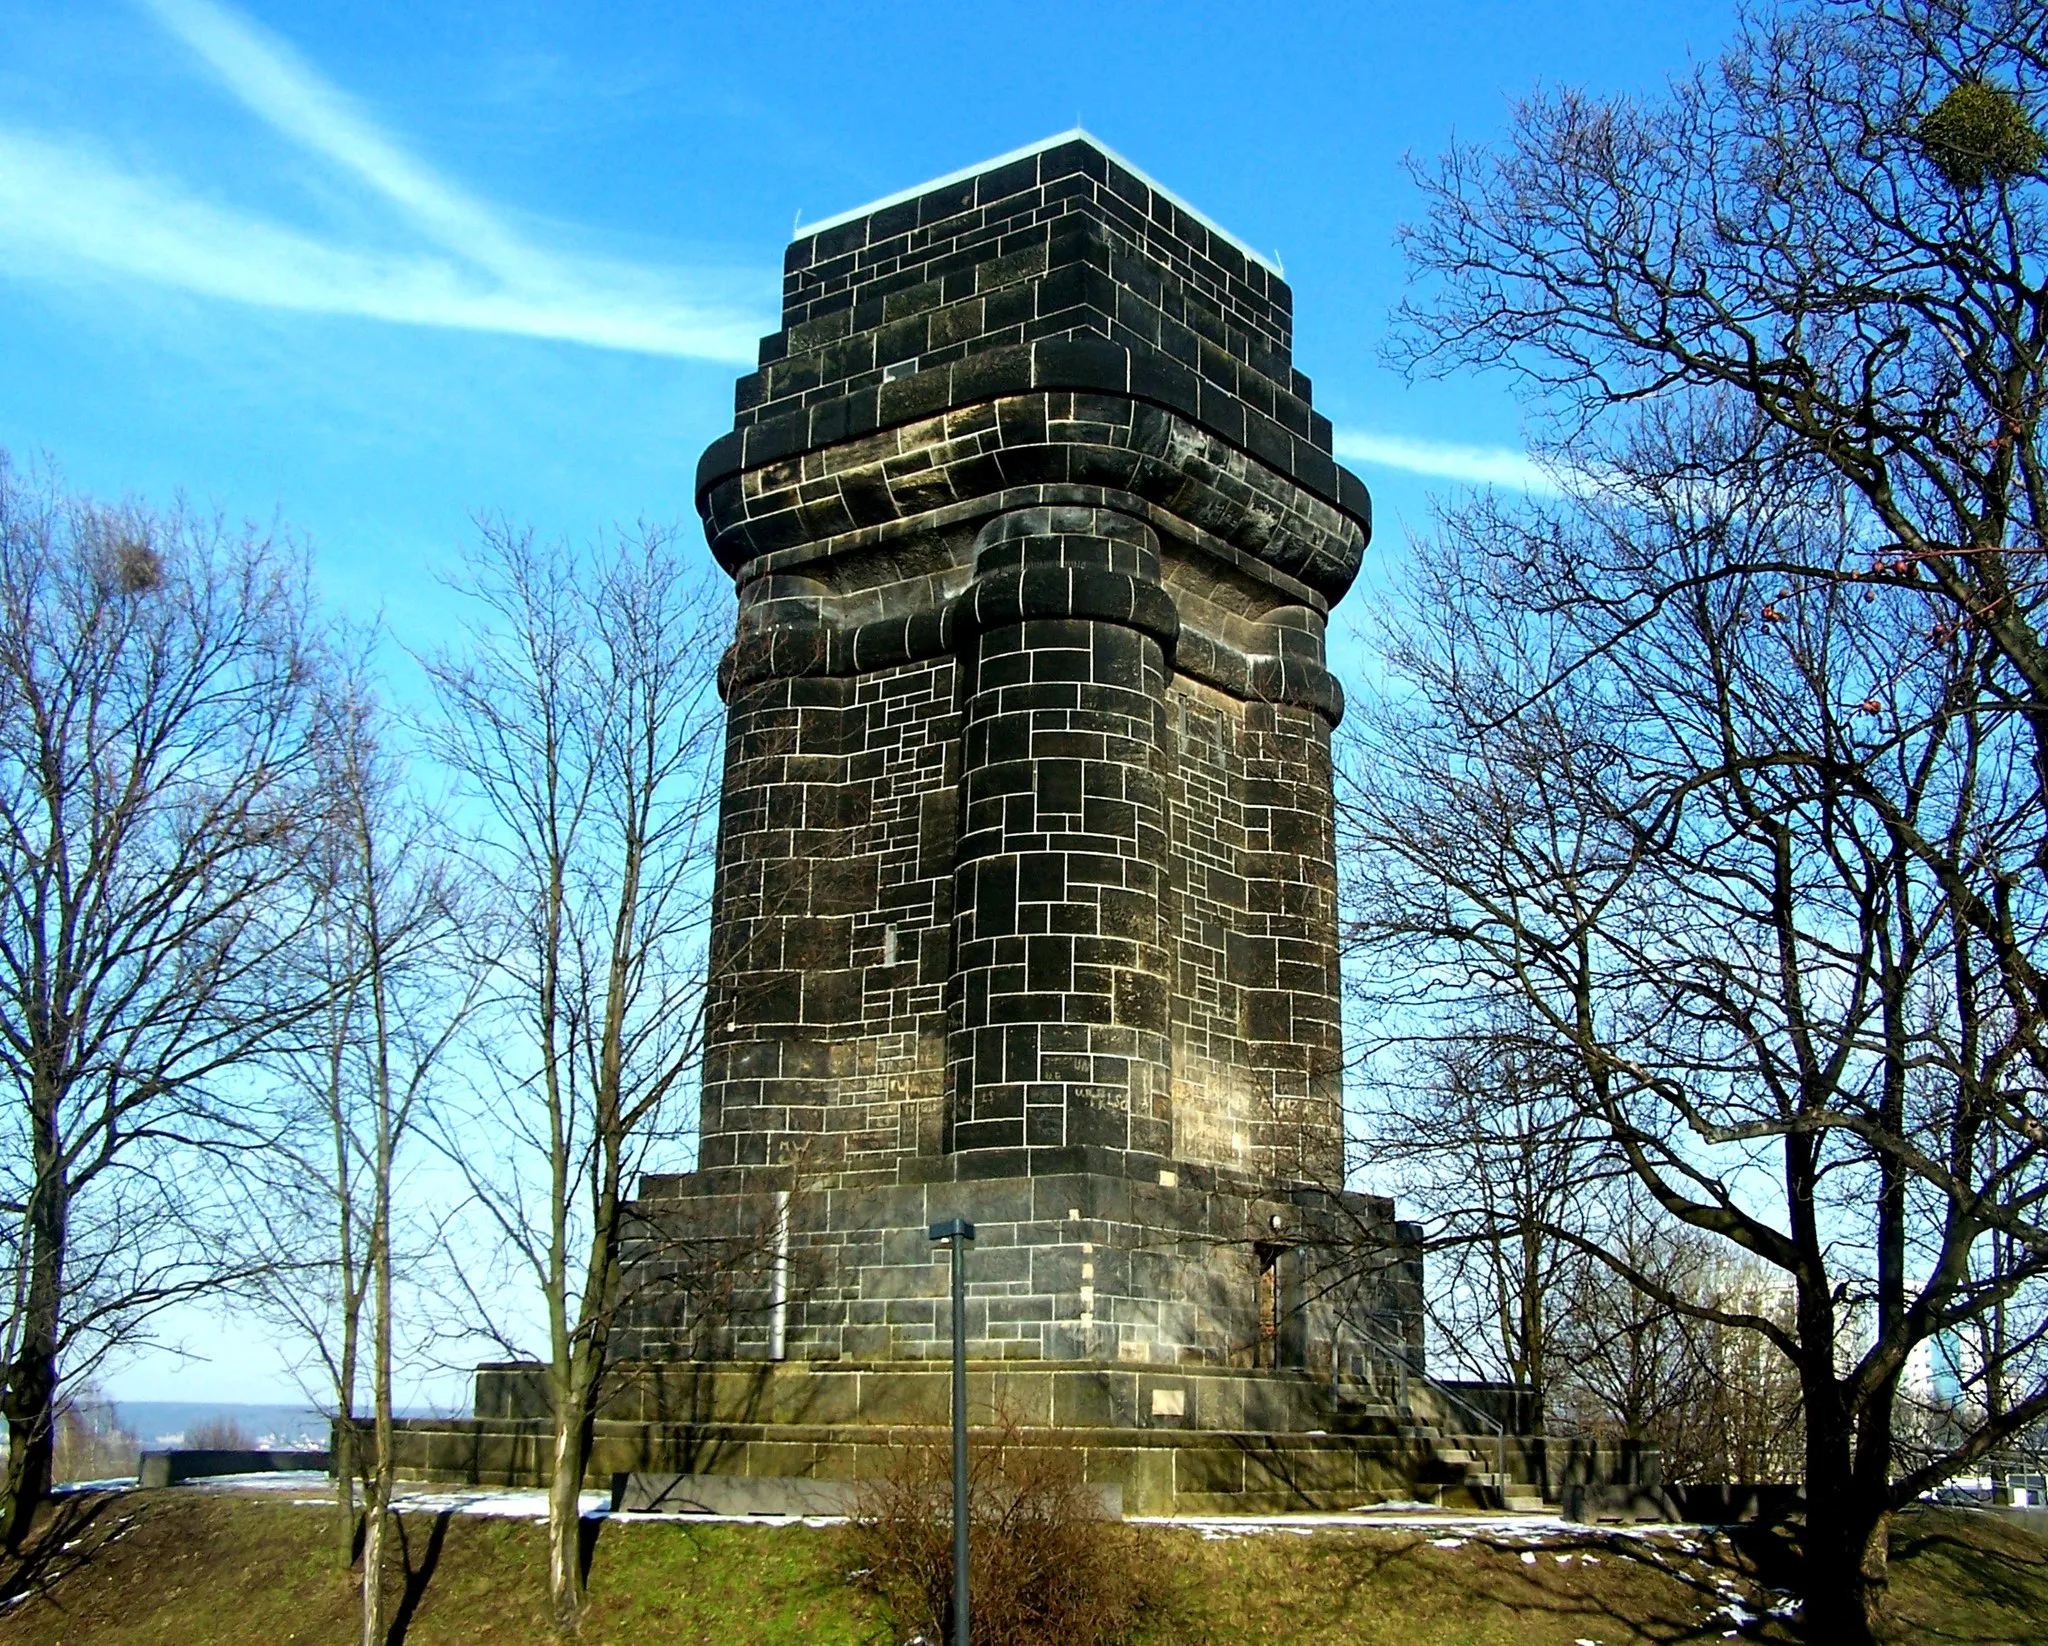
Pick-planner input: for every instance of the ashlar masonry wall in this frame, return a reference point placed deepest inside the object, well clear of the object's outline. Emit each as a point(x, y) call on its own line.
point(873, 956)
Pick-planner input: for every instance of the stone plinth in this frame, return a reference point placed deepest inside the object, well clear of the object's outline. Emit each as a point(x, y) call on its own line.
point(1080, 1261)
point(1194, 1441)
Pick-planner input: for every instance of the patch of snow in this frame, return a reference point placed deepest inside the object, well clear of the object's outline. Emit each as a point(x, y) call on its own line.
point(1383, 1517)
point(1528, 1557)
point(654, 1518)
point(485, 1501)
point(1447, 1543)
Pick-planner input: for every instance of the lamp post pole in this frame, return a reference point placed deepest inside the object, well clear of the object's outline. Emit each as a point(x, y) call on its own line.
point(959, 1233)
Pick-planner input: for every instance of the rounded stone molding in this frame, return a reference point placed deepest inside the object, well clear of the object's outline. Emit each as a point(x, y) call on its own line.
point(1038, 439)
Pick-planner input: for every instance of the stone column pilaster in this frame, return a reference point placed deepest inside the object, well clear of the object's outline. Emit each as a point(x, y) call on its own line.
point(1060, 996)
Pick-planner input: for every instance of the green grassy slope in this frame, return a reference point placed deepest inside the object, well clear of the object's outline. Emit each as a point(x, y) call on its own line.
point(202, 1569)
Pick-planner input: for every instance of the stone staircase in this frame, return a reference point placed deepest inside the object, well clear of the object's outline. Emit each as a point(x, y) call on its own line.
point(1458, 1469)
point(1516, 1496)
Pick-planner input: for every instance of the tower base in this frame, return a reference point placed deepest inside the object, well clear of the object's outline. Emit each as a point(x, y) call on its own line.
point(1192, 1441)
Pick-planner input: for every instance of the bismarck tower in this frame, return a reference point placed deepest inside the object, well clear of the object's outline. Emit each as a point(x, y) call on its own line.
point(1026, 896)
point(1026, 903)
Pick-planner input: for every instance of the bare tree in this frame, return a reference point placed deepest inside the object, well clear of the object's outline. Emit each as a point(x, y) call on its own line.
point(1841, 225)
point(1829, 246)
point(159, 688)
point(580, 715)
point(1756, 856)
point(1720, 1403)
point(320, 1223)
point(92, 1442)
point(1486, 1137)
point(1487, 1147)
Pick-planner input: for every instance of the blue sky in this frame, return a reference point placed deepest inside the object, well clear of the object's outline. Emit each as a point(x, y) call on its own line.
point(371, 269)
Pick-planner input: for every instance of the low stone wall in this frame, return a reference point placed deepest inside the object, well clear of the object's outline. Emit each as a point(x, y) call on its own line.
point(1159, 1471)
point(171, 1468)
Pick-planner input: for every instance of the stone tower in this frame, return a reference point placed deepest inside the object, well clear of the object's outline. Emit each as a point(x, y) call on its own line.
point(1025, 906)
point(1026, 895)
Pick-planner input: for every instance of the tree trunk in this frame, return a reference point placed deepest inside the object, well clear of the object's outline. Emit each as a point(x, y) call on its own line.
point(376, 1520)
point(31, 1435)
point(565, 1517)
point(1847, 1548)
point(347, 1439)
point(1848, 1520)
point(346, 1453)
point(378, 1479)
point(30, 1401)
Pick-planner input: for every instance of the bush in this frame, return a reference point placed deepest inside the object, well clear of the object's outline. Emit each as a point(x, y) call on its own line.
point(1046, 1565)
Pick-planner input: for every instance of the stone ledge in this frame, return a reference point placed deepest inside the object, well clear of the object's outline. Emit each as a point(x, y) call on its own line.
point(1064, 1395)
point(1088, 365)
point(1160, 1472)
point(806, 646)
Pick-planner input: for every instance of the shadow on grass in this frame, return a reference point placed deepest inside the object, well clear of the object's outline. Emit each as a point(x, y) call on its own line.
point(1954, 1578)
point(72, 1530)
point(417, 1575)
point(2000, 1569)
point(1663, 1593)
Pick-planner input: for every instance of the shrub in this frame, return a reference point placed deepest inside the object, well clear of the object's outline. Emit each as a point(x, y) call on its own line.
point(1047, 1566)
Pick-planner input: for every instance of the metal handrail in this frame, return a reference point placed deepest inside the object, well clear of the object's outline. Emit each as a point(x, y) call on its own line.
point(1369, 1339)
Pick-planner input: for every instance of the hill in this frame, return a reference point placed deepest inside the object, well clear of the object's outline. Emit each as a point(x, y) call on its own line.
point(216, 1568)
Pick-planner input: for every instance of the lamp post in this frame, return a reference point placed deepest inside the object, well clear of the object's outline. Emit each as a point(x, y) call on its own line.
point(960, 1233)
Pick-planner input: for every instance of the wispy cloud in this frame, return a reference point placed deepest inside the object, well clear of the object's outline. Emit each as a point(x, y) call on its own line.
point(1445, 460)
point(63, 203)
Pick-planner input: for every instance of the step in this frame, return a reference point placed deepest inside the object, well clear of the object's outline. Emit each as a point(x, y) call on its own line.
point(1362, 1406)
point(1364, 1427)
point(1520, 1496)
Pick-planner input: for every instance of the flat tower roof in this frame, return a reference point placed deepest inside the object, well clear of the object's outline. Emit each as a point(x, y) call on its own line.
point(1073, 135)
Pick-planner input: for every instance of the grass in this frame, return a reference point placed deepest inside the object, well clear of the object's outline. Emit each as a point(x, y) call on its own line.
point(222, 1569)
